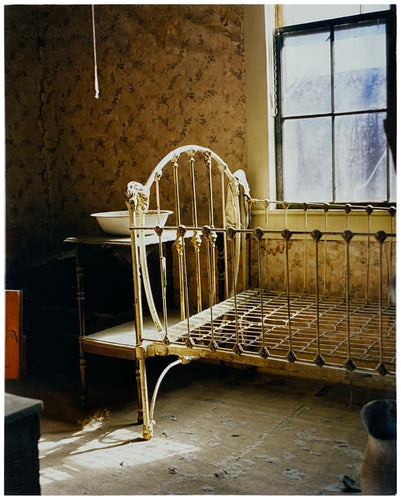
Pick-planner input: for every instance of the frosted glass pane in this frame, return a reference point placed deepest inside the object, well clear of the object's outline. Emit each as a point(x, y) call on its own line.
point(360, 158)
point(307, 162)
point(360, 68)
point(306, 74)
point(365, 8)
point(299, 14)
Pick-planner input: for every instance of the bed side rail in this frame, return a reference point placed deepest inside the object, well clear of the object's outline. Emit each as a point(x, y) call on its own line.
point(319, 294)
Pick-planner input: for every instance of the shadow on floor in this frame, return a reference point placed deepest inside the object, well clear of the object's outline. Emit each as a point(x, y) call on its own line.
point(218, 431)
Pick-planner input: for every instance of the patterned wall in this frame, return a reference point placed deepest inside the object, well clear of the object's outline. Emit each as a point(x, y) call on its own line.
point(364, 278)
point(169, 75)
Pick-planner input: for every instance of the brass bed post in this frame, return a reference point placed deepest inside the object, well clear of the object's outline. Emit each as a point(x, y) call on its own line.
point(140, 359)
point(147, 422)
point(138, 197)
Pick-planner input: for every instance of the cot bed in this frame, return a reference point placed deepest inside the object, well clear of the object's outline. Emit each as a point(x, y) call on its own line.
point(256, 282)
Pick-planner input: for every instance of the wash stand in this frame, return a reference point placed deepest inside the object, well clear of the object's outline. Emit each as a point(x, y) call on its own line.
point(289, 287)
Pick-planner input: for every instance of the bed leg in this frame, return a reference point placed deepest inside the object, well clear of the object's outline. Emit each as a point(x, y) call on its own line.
point(139, 393)
point(143, 399)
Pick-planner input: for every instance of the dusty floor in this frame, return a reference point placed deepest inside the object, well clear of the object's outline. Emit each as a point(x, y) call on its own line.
point(217, 432)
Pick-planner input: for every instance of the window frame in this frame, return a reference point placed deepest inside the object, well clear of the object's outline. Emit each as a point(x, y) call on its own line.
point(386, 16)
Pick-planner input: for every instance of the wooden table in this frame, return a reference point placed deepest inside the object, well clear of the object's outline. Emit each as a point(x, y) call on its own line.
point(120, 340)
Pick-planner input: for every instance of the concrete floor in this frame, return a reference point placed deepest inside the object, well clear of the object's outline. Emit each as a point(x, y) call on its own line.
point(218, 432)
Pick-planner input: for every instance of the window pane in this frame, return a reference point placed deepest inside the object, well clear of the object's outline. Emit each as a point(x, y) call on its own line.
point(307, 160)
point(373, 8)
point(306, 74)
point(360, 158)
point(299, 14)
point(360, 68)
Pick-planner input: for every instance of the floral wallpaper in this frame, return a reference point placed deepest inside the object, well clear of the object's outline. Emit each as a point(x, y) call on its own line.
point(169, 75)
point(332, 258)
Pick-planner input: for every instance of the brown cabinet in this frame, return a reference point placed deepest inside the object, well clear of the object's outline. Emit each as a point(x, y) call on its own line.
point(21, 435)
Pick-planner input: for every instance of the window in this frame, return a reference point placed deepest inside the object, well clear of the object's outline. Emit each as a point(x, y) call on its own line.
point(334, 81)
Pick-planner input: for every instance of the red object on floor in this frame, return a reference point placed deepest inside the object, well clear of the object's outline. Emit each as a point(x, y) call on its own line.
point(14, 344)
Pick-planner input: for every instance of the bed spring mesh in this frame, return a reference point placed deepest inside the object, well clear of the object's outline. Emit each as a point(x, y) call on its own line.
point(355, 329)
point(244, 329)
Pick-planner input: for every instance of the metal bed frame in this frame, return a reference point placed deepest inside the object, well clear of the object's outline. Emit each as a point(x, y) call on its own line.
point(271, 291)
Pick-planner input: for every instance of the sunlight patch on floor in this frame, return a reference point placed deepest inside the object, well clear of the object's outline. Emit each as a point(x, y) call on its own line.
point(52, 475)
point(122, 447)
point(103, 449)
point(48, 447)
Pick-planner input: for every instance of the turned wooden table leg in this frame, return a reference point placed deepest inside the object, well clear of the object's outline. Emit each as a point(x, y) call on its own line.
point(79, 271)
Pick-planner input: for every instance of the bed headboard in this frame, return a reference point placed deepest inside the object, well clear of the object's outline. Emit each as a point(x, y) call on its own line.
point(206, 199)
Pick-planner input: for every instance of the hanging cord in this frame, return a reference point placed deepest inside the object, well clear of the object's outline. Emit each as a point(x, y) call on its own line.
point(94, 53)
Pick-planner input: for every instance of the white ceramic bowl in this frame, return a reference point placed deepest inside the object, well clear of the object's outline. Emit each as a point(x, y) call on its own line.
point(117, 223)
